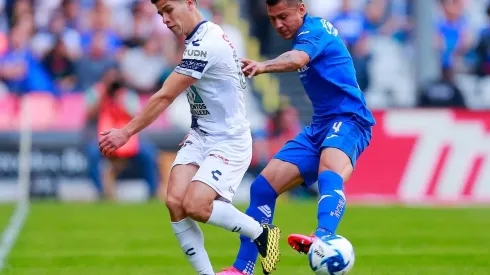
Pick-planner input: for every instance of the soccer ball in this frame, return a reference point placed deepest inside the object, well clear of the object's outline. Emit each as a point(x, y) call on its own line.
point(331, 255)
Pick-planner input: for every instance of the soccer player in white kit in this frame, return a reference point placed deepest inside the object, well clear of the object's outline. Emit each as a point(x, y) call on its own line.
point(218, 149)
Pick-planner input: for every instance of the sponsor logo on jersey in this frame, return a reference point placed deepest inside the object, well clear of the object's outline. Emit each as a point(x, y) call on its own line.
point(305, 32)
point(220, 157)
point(193, 65)
point(198, 108)
point(303, 70)
point(195, 53)
point(196, 43)
point(225, 37)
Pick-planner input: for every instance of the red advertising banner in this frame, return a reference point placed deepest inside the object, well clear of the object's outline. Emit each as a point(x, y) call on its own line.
point(425, 156)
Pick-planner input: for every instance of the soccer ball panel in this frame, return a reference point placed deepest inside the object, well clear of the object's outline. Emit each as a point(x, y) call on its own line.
point(331, 255)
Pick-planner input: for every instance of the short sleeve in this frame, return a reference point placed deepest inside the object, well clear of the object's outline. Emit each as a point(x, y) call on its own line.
point(313, 40)
point(198, 58)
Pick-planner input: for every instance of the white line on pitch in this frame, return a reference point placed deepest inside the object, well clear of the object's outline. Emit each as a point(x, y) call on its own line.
point(10, 234)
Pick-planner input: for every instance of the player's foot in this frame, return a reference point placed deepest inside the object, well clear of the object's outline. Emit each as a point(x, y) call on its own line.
point(301, 243)
point(231, 271)
point(268, 246)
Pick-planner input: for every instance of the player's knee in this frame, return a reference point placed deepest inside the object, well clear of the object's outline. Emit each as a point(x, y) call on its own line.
point(270, 173)
point(337, 161)
point(173, 203)
point(281, 175)
point(197, 209)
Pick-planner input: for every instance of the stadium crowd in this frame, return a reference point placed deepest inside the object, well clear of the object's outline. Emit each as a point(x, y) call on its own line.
point(65, 46)
point(380, 35)
point(59, 48)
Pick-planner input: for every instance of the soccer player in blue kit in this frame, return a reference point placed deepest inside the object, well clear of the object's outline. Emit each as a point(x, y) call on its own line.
point(326, 151)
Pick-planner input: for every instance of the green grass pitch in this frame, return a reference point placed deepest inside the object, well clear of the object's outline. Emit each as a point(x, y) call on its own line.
point(110, 239)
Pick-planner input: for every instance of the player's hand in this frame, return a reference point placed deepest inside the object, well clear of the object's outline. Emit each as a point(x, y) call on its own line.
point(112, 140)
point(252, 68)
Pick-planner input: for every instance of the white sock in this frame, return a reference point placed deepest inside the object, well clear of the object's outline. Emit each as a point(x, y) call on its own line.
point(191, 241)
point(226, 216)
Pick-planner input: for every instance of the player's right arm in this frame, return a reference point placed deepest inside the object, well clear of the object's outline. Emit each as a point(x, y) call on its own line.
point(197, 60)
point(175, 84)
point(308, 45)
point(287, 62)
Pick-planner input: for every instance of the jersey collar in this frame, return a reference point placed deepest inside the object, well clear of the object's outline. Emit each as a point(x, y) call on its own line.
point(307, 17)
point(195, 30)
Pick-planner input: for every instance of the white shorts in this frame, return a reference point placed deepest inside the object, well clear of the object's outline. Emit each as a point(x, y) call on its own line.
point(222, 161)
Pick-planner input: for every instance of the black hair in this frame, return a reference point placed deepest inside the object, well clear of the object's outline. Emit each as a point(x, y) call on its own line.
point(289, 2)
point(155, 1)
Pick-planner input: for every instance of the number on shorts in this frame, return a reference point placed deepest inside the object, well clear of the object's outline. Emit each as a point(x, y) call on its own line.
point(336, 126)
point(216, 172)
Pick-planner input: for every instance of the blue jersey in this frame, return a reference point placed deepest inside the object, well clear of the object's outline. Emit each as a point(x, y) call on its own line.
point(330, 78)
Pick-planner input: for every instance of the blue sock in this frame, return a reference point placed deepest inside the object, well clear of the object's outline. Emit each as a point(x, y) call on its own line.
point(262, 204)
point(332, 203)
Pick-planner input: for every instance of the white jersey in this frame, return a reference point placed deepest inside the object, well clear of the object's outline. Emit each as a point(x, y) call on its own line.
point(216, 100)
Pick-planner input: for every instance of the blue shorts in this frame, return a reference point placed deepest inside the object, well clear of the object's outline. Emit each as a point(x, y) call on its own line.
point(304, 150)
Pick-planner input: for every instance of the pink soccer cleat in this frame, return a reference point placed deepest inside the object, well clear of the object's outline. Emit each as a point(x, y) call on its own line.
point(231, 271)
point(301, 243)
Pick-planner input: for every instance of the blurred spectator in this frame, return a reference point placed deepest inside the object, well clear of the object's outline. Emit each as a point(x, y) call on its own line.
point(93, 64)
point(21, 10)
point(233, 33)
point(442, 93)
point(281, 128)
point(72, 13)
point(206, 9)
point(483, 49)
point(388, 18)
point(454, 36)
point(100, 24)
point(260, 24)
point(322, 8)
point(3, 27)
point(44, 41)
point(20, 71)
point(112, 105)
point(3, 18)
point(350, 24)
point(61, 68)
point(4, 44)
point(377, 17)
point(3, 90)
point(138, 27)
point(143, 66)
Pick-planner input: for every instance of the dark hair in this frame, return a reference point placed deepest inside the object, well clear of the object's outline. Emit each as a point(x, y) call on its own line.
point(289, 2)
point(155, 1)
